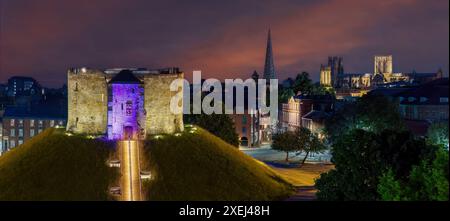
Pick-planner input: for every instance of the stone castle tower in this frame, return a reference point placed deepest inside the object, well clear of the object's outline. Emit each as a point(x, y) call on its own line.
point(122, 103)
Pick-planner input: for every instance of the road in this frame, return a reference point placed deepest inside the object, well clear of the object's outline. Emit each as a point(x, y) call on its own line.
point(131, 182)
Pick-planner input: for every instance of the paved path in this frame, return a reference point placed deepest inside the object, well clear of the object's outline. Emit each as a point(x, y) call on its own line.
point(131, 181)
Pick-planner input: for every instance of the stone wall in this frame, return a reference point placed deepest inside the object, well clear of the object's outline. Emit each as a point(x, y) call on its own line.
point(159, 118)
point(87, 101)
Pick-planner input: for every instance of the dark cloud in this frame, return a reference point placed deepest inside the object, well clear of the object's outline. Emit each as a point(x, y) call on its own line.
point(222, 38)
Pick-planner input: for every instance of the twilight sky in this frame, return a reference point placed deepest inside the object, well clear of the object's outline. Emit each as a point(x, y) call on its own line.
point(224, 39)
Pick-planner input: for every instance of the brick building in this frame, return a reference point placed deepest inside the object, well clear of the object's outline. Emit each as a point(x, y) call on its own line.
point(20, 123)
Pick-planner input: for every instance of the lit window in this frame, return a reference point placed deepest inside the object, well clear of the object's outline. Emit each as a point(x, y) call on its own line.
point(443, 99)
point(12, 143)
point(411, 99)
point(12, 132)
point(41, 123)
point(12, 122)
point(52, 123)
point(423, 99)
point(39, 131)
point(31, 132)
point(20, 142)
point(31, 123)
point(20, 132)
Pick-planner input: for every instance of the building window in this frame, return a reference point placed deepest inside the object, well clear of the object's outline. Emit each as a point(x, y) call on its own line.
point(39, 131)
point(31, 123)
point(443, 99)
point(31, 132)
point(60, 123)
point(423, 99)
point(129, 106)
point(20, 142)
point(12, 122)
point(411, 99)
point(20, 132)
point(12, 132)
point(244, 130)
point(12, 143)
point(41, 123)
point(20, 123)
point(52, 123)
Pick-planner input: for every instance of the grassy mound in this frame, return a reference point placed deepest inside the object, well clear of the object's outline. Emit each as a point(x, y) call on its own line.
point(200, 166)
point(53, 166)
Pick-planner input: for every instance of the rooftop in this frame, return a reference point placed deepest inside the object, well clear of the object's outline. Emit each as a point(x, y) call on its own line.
point(125, 77)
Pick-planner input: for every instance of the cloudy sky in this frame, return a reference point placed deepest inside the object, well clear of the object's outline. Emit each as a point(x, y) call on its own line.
point(224, 39)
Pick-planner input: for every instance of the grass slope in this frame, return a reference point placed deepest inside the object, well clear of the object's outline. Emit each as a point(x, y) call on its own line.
point(53, 166)
point(200, 166)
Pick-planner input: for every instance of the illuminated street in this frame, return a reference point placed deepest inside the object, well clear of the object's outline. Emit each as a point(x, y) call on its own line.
point(131, 184)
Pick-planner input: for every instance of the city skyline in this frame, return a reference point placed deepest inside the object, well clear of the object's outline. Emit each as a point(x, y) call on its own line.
point(43, 39)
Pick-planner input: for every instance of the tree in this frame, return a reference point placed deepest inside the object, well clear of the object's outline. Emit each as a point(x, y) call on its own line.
point(370, 113)
point(317, 89)
point(302, 83)
point(361, 158)
point(286, 142)
point(285, 94)
point(438, 134)
point(302, 140)
point(427, 181)
point(308, 142)
point(220, 125)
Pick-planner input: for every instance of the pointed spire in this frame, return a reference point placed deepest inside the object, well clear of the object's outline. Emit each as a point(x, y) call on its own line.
point(269, 67)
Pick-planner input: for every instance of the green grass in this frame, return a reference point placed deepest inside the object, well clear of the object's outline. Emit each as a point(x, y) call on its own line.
point(200, 166)
point(53, 166)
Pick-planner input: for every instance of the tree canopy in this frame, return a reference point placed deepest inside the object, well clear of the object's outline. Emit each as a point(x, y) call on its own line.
point(370, 113)
point(362, 157)
point(301, 140)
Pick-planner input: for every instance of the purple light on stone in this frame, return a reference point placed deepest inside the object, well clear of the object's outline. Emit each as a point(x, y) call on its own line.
point(125, 111)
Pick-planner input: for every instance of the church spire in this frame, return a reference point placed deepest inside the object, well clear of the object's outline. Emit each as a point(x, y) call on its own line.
point(269, 67)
